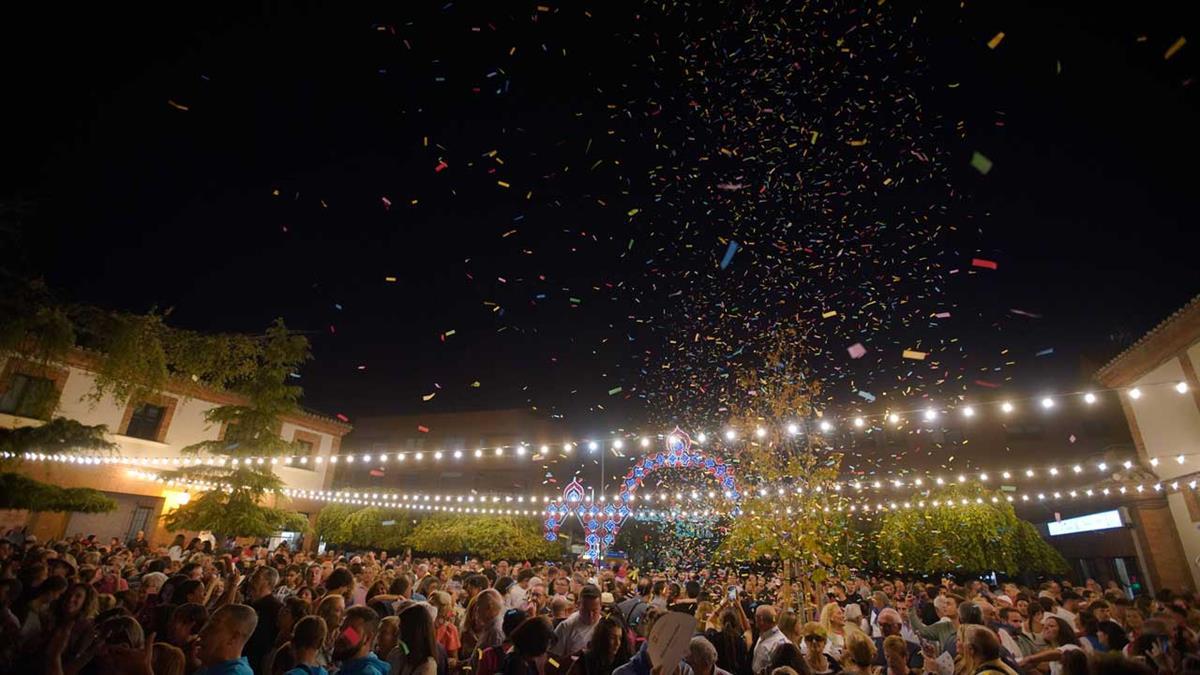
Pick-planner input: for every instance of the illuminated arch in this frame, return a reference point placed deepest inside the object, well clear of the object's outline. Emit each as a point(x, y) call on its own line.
point(601, 522)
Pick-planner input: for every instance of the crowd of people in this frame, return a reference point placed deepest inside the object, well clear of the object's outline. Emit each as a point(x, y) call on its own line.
point(81, 606)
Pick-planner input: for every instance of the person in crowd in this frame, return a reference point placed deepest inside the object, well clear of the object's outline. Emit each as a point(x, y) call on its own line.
point(607, 649)
point(833, 618)
point(940, 631)
point(702, 658)
point(769, 636)
point(222, 640)
point(889, 624)
point(445, 627)
point(530, 640)
point(815, 639)
point(1060, 638)
point(858, 653)
point(982, 649)
point(308, 637)
point(352, 647)
point(416, 653)
point(332, 609)
point(731, 634)
point(573, 633)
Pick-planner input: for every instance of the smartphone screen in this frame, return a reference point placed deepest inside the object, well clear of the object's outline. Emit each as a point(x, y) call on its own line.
point(733, 592)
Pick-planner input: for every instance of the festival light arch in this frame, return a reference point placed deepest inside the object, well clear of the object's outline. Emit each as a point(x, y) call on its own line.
point(602, 521)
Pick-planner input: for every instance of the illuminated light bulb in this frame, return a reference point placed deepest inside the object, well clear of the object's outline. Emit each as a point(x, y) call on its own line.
point(730, 434)
point(858, 422)
point(1047, 403)
point(1006, 407)
point(618, 444)
point(1077, 469)
point(1182, 387)
point(983, 477)
point(1127, 464)
point(894, 418)
point(566, 447)
point(499, 452)
point(962, 478)
point(939, 481)
point(644, 442)
point(1179, 459)
point(917, 482)
point(1029, 473)
point(1103, 466)
point(1153, 461)
point(760, 432)
point(793, 429)
point(930, 414)
point(478, 453)
point(1053, 471)
point(437, 455)
point(593, 445)
point(826, 426)
point(458, 454)
point(702, 437)
point(520, 451)
point(1089, 398)
point(968, 411)
point(419, 456)
point(1024, 498)
point(1135, 393)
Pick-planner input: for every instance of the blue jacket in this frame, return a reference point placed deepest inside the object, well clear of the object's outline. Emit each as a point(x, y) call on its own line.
point(307, 670)
point(231, 667)
point(367, 665)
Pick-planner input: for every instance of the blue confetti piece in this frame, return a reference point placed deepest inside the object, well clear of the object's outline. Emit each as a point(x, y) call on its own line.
point(733, 247)
point(867, 395)
point(1046, 352)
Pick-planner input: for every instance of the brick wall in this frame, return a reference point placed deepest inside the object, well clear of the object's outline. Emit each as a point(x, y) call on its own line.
point(1159, 541)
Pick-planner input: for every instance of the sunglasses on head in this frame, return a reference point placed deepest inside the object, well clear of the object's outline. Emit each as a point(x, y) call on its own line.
point(814, 638)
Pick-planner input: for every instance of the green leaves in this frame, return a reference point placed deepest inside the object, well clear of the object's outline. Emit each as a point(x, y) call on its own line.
point(21, 492)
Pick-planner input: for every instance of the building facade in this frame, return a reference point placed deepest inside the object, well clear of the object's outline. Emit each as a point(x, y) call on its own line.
point(1166, 433)
point(158, 428)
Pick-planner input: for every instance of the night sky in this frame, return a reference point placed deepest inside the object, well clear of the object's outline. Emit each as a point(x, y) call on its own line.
point(287, 186)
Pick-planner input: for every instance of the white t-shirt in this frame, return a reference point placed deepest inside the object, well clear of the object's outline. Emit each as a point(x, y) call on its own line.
point(1056, 666)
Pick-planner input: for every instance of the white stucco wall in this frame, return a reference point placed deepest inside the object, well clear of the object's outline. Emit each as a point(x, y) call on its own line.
point(1169, 423)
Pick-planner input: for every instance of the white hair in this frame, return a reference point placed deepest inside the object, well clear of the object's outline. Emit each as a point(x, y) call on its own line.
point(700, 650)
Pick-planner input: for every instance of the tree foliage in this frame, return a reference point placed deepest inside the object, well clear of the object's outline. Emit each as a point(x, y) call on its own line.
point(252, 432)
point(978, 536)
point(489, 536)
point(793, 526)
point(21, 492)
point(370, 527)
point(59, 435)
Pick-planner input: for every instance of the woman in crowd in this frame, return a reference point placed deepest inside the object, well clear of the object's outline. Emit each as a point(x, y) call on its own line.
point(530, 640)
point(417, 652)
point(445, 632)
point(833, 620)
point(858, 654)
point(815, 655)
point(1060, 638)
point(331, 609)
point(606, 650)
point(733, 637)
point(482, 628)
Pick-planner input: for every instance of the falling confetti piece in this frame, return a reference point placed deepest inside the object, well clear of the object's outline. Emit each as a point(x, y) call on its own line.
point(502, 184)
point(429, 397)
point(830, 314)
point(856, 350)
point(996, 40)
point(614, 391)
point(422, 428)
point(981, 262)
point(981, 163)
point(342, 417)
point(1175, 47)
point(390, 280)
point(1046, 352)
point(729, 251)
point(913, 354)
point(475, 384)
point(184, 108)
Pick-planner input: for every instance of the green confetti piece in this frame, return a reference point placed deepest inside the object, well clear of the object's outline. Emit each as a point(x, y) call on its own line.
point(981, 163)
point(614, 391)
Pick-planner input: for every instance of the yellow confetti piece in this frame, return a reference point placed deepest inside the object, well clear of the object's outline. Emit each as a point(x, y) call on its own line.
point(428, 397)
point(1175, 47)
point(184, 108)
point(814, 137)
point(502, 184)
point(995, 41)
point(829, 314)
point(390, 280)
point(858, 143)
point(912, 354)
point(633, 212)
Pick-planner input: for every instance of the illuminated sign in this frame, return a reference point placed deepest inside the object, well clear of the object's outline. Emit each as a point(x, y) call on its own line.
point(1104, 520)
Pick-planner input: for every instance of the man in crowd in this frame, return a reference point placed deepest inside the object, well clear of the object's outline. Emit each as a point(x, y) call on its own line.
point(355, 638)
point(221, 641)
point(573, 633)
point(769, 637)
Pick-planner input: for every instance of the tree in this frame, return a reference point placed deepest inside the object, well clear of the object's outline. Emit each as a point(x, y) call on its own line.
point(946, 535)
point(787, 514)
point(488, 536)
point(59, 435)
point(245, 476)
point(370, 527)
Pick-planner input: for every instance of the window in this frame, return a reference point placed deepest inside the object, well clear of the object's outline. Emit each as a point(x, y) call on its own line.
point(145, 422)
point(304, 449)
point(27, 396)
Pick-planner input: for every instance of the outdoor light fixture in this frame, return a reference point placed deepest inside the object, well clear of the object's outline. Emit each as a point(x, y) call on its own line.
point(930, 414)
point(968, 411)
point(793, 429)
point(1182, 387)
point(826, 426)
point(1089, 398)
point(1047, 403)
point(1006, 407)
point(1135, 393)
point(858, 422)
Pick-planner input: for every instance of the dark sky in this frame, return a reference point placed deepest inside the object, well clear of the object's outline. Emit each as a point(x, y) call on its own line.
point(1090, 208)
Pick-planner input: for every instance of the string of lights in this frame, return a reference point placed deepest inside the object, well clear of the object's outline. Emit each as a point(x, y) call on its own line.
point(911, 480)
